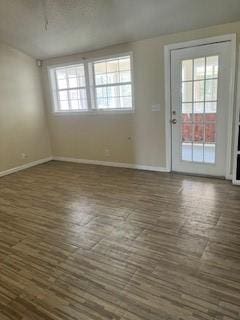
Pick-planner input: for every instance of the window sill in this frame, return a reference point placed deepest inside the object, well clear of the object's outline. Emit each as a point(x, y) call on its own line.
point(93, 112)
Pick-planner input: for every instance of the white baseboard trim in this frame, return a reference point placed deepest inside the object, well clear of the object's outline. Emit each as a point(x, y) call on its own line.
point(112, 164)
point(24, 166)
point(229, 177)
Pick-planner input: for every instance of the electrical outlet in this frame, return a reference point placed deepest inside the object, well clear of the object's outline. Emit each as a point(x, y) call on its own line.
point(24, 156)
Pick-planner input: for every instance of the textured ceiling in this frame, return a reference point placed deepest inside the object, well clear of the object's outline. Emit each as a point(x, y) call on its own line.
point(83, 25)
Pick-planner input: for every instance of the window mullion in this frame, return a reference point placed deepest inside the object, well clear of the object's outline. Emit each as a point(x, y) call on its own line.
point(68, 89)
point(88, 87)
point(93, 87)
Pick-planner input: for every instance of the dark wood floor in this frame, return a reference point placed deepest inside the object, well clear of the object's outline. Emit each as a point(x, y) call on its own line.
point(81, 242)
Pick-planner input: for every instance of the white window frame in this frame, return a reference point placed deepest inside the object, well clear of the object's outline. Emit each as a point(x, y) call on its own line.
point(90, 86)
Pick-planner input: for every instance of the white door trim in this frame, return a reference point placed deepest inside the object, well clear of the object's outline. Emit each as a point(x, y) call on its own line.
point(167, 64)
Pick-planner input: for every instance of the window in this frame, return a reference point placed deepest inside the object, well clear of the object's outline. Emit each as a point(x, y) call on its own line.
point(70, 88)
point(104, 84)
point(112, 81)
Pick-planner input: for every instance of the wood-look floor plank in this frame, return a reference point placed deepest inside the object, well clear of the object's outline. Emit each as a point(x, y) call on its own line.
point(97, 243)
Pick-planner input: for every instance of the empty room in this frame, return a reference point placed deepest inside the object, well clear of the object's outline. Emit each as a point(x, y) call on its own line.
point(119, 160)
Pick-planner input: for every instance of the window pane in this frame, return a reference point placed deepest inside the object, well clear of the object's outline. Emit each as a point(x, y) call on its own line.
point(187, 70)
point(198, 132)
point(73, 94)
point(198, 107)
point(101, 92)
point(114, 103)
point(64, 105)
point(73, 83)
point(198, 152)
point(125, 76)
point(187, 108)
point(62, 84)
point(126, 91)
point(212, 67)
point(113, 78)
point(199, 90)
point(210, 132)
point(71, 72)
point(80, 72)
point(113, 92)
point(187, 151)
point(210, 117)
point(61, 74)
point(199, 69)
point(124, 64)
point(63, 95)
point(198, 117)
point(112, 66)
point(102, 103)
point(100, 67)
point(101, 79)
point(187, 131)
point(83, 94)
point(187, 91)
point(126, 102)
point(209, 153)
point(83, 104)
point(187, 117)
point(74, 104)
point(211, 107)
point(81, 82)
point(211, 90)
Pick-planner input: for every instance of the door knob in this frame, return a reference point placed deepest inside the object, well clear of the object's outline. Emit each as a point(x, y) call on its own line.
point(173, 121)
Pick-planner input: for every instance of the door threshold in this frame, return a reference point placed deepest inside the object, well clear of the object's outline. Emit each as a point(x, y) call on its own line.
point(198, 175)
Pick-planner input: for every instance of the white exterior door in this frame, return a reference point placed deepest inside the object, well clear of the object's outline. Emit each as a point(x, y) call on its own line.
point(200, 89)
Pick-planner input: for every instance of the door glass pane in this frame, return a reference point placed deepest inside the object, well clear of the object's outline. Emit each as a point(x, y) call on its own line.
point(199, 90)
point(210, 133)
point(212, 67)
point(198, 142)
point(199, 69)
point(187, 91)
point(199, 109)
point(187, 108)
point(209, 153)
point(198, 132)
point(211, 90)
point(187, 117)
point(187, 70)
point(198, 117)
point(187, 132)
point(211, 107)
point(198, 152)
point(186, 151)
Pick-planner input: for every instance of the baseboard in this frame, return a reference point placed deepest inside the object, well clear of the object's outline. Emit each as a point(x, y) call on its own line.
point(229, 177)
point(112, 164)
point(24, 166)
point(236, 182)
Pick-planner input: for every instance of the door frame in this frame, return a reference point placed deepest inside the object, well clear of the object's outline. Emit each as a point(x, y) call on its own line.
point(232, 38)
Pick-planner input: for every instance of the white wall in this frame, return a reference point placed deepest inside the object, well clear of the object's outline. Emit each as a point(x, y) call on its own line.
point(23, 123)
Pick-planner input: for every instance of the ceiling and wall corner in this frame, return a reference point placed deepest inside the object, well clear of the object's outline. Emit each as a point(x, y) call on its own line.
point(83, 25)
